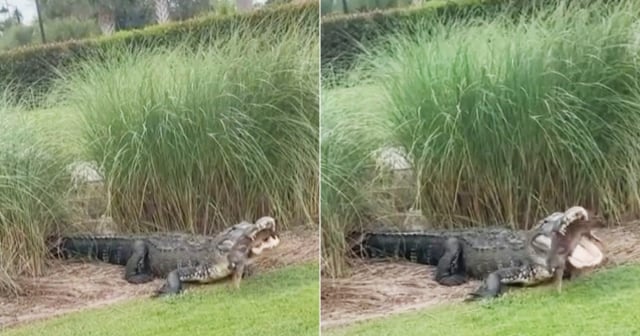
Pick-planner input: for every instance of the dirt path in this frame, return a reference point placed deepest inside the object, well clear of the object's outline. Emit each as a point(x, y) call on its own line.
point(70, 286)
point(378, 289)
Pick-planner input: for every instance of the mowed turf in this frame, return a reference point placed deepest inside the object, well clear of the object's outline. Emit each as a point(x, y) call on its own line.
point(283, 302)
point(602, 303)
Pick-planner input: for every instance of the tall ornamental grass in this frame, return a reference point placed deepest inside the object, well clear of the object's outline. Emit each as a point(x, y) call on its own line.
point(504, 120)
point(34, 183)
point(507, 121)
point(353, 129)
point(199, 139)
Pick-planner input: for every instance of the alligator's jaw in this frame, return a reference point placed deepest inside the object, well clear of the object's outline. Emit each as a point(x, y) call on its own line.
point(268, 244)
point(586, 254)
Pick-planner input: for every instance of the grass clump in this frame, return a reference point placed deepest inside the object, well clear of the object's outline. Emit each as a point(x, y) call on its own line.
point(504, 120)
point(199, 139)
point(510, 120)
point(352, 133)
point(34, 182)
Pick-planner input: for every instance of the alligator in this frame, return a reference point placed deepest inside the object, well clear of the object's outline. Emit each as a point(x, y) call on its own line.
point(499, 256)
point(565, 236)
point(178, 257)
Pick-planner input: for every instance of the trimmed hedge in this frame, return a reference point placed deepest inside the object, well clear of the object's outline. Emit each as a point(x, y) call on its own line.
point(343, 36)
point(28, 72)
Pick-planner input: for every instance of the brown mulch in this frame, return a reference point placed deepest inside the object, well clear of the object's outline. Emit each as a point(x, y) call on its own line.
point(377, 289)
point(70, 286)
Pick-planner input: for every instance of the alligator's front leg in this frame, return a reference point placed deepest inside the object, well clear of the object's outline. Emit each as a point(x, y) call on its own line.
point(205, 273)
point(451, 268)
point(238, 271)
point(138, 268)
point(249, 271)
point(239, 267)
point(526, 275)
point(202, 274)
point(173, 285)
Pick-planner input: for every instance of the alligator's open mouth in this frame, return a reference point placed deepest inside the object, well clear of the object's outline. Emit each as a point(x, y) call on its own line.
point(269, 242)
point(587, 254)
point(266, 237)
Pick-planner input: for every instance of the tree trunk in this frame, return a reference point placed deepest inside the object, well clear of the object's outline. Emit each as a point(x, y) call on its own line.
point(107, 20)
point(243, 6)
point(162, 11)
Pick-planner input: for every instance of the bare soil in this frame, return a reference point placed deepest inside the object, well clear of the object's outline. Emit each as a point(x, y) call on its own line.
point(378, 288)
point(70, 286)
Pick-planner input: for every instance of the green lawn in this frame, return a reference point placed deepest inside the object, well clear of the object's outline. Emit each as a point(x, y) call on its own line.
point(283, 302)
point(605, 303)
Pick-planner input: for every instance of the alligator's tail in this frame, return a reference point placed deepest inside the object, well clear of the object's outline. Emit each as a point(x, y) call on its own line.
point(420, 247)
point(114, 250)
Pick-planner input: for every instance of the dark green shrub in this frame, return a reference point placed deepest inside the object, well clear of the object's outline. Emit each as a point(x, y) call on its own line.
point(30, 70)
point(345, 36)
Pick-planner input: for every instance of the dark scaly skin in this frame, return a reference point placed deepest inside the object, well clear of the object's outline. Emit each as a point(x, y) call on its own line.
point(497, 255)
point(179, 257)
point(234, 263)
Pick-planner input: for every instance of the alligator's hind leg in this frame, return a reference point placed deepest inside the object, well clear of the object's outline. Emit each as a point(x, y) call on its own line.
point(519, 275)
point(138, 268)
point(451, 268)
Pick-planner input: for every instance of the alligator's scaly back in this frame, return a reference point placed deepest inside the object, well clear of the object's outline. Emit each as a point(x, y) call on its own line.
point(426, 247)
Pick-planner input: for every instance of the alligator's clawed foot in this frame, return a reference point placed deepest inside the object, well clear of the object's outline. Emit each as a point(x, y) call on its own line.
point(491, 288)
point(557, 279)
point(471, 297)
point(173, 285)
point(139, 278)
point(164, 291)
point(453, 280)
point(482, 293)
point(249, 271)
point(160, 292)
point(237, 275)
point(559, 286)
point(234, 285)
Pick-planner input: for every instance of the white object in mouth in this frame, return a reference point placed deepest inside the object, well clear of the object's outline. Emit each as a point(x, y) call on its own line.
point(266, 245)
point(586, 254)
